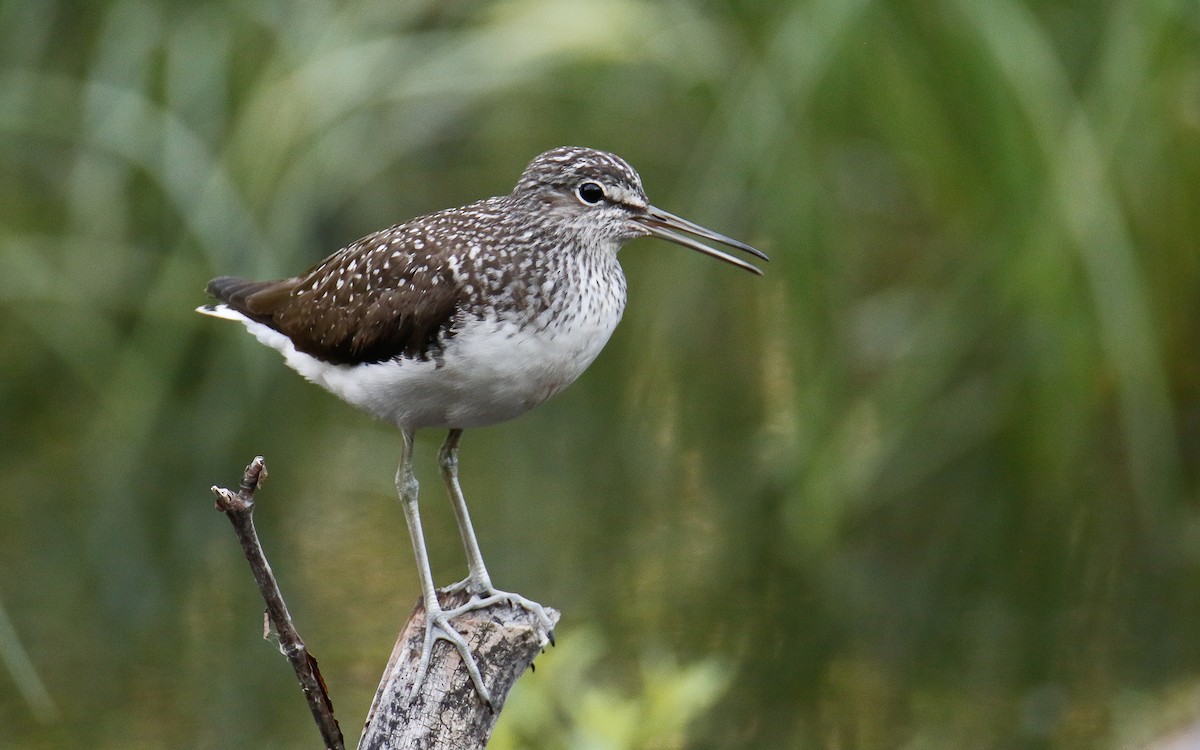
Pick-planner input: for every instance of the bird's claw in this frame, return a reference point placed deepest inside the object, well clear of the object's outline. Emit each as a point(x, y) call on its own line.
point(484, 595)
point(468, 585)
point(437, 627)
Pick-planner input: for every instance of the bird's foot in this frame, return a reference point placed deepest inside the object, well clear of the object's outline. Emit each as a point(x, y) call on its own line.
point(437, 627)
point(484, 595)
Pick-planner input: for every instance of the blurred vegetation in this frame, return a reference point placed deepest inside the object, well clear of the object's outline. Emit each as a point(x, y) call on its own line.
point(930, 483)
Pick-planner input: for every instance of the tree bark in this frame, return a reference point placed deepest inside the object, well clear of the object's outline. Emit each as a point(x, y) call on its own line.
point(447, 713)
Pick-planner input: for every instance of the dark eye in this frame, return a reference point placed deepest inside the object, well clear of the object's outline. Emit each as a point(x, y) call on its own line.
point(590, 192)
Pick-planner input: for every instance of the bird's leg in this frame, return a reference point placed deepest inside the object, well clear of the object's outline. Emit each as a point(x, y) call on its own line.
point(477, 583)
point(437, 622)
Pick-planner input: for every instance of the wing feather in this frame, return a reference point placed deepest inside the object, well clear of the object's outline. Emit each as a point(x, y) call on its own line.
point(388, 295)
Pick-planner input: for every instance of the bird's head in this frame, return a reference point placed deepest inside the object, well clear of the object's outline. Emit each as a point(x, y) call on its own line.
point(599, 197)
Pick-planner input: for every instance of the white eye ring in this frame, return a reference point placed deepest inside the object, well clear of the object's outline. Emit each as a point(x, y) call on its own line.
point(590, 193)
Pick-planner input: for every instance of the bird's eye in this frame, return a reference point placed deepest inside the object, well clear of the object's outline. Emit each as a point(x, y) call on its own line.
point(590, 193)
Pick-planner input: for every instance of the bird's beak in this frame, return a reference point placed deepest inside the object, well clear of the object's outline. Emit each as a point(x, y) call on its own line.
point(659, 223)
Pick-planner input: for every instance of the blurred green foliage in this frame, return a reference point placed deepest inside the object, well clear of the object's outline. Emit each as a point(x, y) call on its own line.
point(930, 483)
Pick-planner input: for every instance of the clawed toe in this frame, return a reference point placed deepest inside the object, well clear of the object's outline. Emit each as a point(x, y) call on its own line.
point(487, 597)
point(465, 584)
point(438, 627)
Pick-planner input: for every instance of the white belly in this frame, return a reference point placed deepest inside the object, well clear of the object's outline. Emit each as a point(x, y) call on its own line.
point(490, 371)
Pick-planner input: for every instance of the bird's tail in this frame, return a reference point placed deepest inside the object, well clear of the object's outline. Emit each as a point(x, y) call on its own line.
point(244, 299)
point(226, 288)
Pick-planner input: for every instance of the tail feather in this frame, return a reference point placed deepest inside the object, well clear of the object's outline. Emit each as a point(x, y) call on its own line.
point(245, 299)
point(233, 290)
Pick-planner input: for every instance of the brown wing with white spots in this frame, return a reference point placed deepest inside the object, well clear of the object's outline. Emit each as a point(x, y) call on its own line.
point(390, 294)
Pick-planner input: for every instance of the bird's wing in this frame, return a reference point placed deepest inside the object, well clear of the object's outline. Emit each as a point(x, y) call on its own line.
point(388, 295)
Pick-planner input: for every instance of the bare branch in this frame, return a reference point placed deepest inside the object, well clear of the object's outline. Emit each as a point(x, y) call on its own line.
point(239, 509)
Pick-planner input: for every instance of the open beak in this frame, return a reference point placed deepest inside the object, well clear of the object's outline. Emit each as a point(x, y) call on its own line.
point(668, 226)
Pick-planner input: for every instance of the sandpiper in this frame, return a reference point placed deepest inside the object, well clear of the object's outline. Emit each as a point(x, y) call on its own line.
point(464, 318)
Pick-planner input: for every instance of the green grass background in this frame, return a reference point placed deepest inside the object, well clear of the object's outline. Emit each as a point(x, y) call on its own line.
point(932, 482)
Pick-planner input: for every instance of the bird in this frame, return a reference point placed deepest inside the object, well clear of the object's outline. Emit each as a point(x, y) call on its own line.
point(464, 318)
